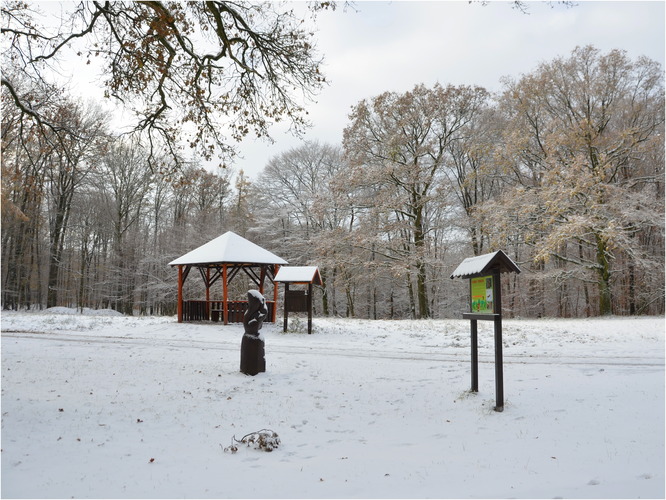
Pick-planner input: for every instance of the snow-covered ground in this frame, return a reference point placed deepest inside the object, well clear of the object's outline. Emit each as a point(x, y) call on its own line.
point(111, 406)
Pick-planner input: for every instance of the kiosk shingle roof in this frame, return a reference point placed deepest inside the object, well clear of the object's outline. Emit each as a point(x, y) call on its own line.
point(299, 274)
point(483, 263)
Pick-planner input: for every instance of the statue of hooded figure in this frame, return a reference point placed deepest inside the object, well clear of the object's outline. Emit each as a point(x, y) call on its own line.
point(253, 358)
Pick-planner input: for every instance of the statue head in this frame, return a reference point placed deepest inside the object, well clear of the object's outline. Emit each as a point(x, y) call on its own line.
point(256, 312)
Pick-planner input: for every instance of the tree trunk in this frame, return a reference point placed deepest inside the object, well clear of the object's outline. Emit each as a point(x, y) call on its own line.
point(324, 295)
point(63, 204)
point(603, 273)
point(350, 301)
point(422, 291)
point(410, 293)
point(419, 244)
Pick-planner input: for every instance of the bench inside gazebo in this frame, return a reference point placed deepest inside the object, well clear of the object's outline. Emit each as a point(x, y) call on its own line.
point(224, 258)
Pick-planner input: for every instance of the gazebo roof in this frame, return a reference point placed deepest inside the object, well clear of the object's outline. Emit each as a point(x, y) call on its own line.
point(228, 248)
point(299, 274)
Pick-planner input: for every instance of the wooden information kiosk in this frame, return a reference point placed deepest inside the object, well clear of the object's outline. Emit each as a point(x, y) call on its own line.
point(485, 303)
point(298, 300)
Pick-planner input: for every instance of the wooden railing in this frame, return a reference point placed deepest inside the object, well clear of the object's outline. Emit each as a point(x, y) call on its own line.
point(200, 310)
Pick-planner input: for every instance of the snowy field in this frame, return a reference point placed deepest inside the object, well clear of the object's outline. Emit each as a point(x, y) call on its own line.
point(111, 406)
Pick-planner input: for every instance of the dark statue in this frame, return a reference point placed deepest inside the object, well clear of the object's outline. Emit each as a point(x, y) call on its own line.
point(253, 359)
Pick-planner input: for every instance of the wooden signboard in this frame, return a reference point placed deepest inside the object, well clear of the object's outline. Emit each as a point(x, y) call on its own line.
point(485, 304)
point(298, 300)
point(295, 300)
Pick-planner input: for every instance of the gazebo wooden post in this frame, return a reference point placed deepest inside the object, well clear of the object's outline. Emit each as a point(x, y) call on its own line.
point(180, 294)
point(225, 295)
point(262, 278)
point(276, 267)
point(208, 293)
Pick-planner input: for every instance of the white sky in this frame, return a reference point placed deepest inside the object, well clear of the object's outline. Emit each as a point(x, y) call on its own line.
point(396, 45)
point(380, 46)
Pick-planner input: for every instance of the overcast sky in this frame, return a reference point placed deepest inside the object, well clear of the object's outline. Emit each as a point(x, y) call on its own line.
point(379, 46)
point(392, 46)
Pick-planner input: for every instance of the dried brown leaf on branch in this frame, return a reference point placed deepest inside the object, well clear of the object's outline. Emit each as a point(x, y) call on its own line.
point(205, 73)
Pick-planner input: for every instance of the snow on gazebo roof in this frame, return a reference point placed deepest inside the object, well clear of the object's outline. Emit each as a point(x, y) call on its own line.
point(483, 263)
point(231, 248)
point(299, 274)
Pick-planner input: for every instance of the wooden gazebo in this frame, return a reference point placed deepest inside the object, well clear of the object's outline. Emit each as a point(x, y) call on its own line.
point(224, 257)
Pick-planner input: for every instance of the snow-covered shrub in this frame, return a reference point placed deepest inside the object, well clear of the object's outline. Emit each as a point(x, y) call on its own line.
point(265, 439)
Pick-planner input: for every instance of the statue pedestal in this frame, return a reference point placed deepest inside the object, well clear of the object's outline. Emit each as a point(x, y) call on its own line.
point(253, 358)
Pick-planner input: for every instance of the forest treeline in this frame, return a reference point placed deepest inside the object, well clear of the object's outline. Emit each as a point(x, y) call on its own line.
point(563, 169)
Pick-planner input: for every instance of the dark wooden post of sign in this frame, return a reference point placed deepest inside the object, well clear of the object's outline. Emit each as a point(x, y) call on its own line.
point(475, 355)
point(486, 304)
point(499, 361)
point(309, 308)
point(286, 306)
point(496, 317)
point(180, 294)
point(297, 301)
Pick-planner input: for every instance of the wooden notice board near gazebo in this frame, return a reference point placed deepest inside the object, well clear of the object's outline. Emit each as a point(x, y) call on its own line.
point(485, 303)
point(223, 258)
point(298, 300)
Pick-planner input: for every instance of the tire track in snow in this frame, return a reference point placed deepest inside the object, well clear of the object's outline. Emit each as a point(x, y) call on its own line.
point(352, 351)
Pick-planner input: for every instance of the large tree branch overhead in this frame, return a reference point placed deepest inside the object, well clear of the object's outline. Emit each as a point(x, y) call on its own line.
point(209, 72)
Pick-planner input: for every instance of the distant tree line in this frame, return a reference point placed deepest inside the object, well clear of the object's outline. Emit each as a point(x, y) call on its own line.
point(93, 226)
point(563, 170)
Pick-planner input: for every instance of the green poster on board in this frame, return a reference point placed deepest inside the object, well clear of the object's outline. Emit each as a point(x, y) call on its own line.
point(482, 295)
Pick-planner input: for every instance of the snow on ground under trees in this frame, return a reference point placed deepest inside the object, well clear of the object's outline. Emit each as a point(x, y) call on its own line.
point(112, 406)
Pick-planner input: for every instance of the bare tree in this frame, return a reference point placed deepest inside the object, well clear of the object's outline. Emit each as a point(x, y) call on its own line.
point(473, 174)
point(24, 159)
point(299, 210)
point(213, 70)
point(400, 142)
point(42, 168)
point(68, 165)
point(582, 130)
